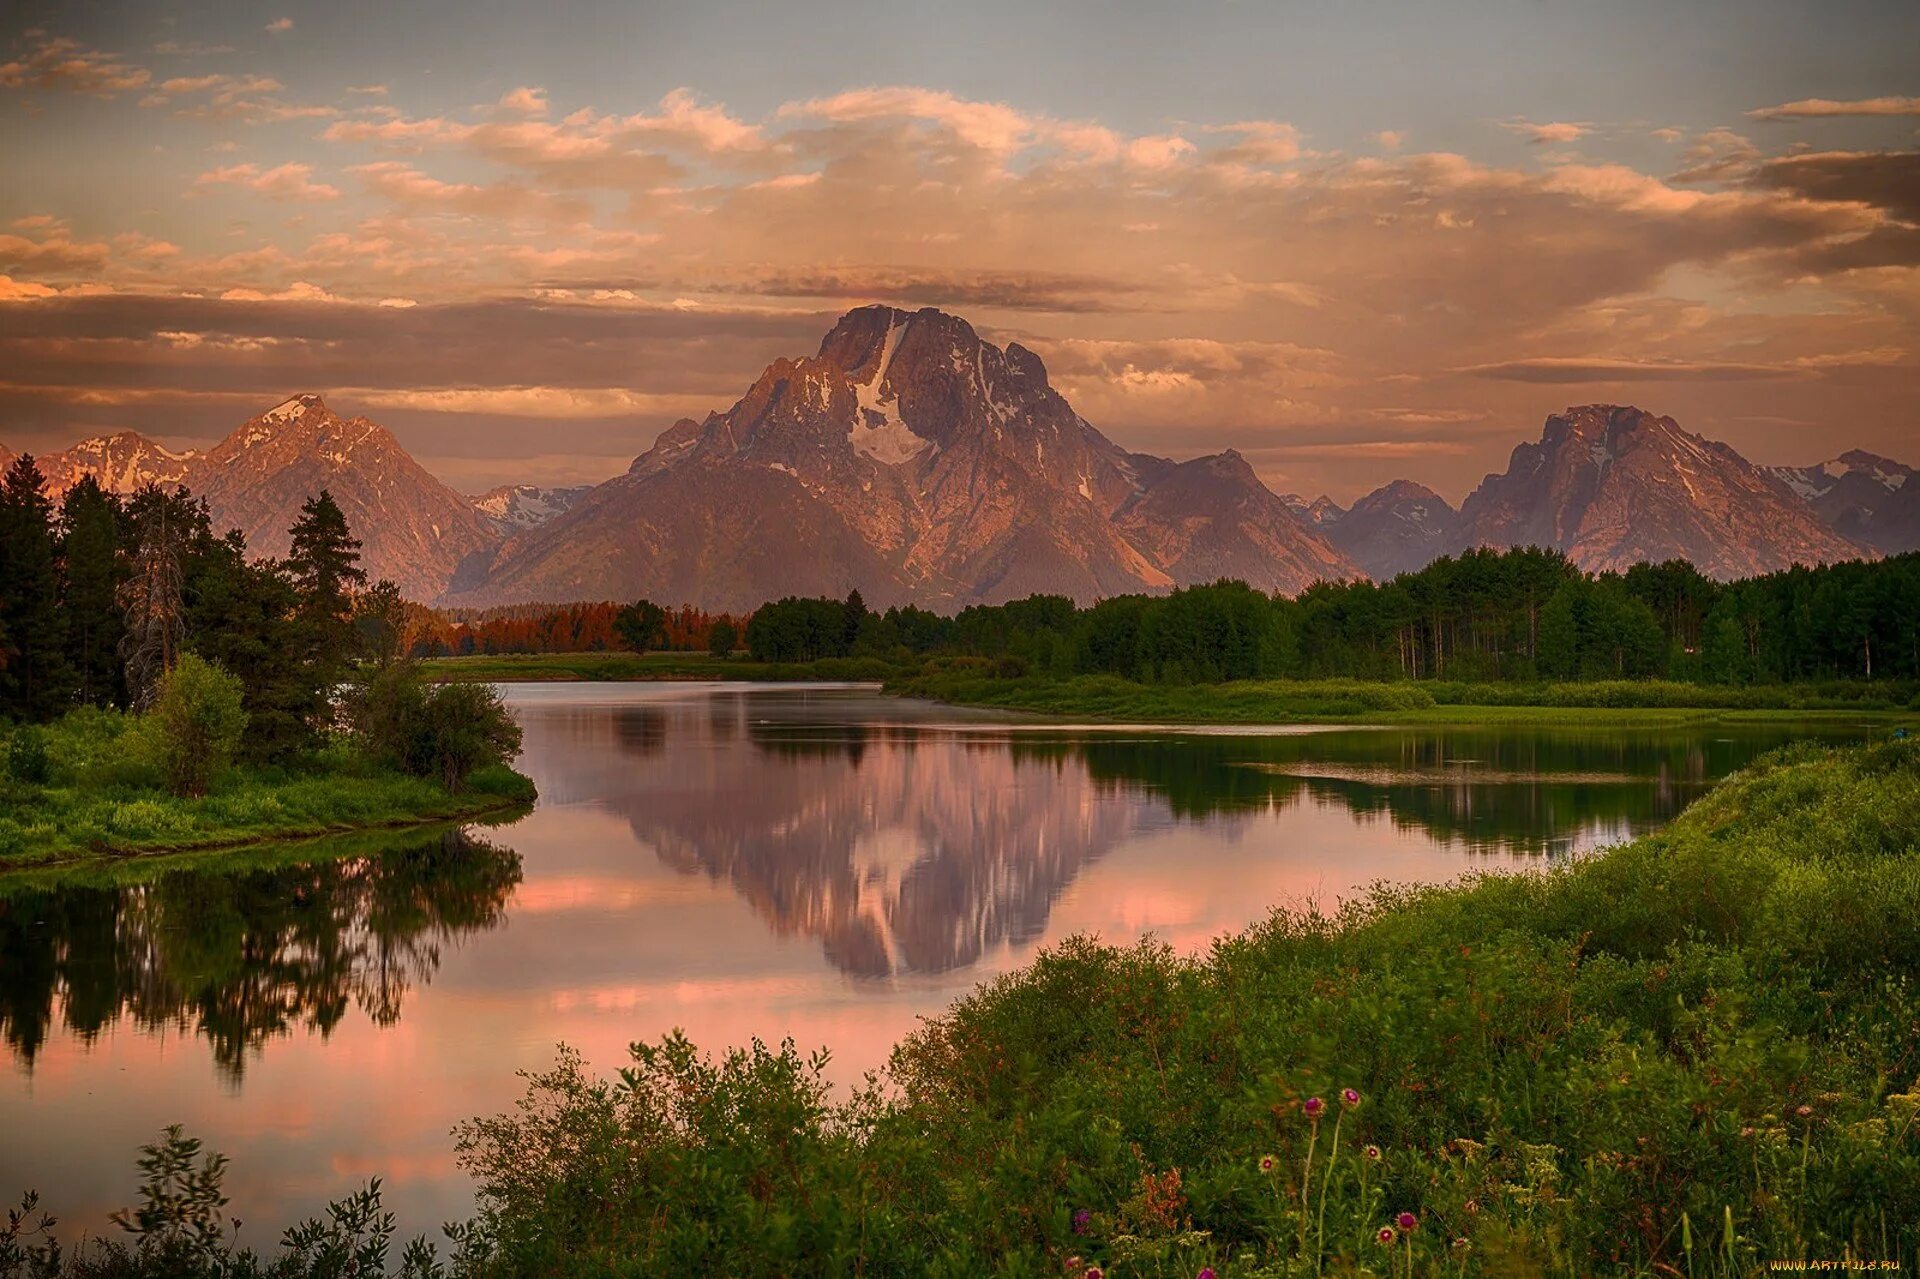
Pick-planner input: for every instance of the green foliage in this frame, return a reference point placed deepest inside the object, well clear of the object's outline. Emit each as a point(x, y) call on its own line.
point(198, 720)
point(36, 677)
point(442, 731)
point(640, 625)
point(722, 638)
point(324, 565)
point(27, 757)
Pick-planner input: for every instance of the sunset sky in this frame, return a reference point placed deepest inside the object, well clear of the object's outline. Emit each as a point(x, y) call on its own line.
point(1353, 240)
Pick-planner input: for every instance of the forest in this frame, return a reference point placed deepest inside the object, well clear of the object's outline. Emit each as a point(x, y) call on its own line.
point(1524, 615)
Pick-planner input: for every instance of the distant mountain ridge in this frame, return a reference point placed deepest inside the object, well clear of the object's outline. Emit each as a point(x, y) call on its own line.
point(915, 461)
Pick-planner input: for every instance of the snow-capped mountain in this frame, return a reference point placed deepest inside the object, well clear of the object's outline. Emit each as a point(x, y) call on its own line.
point(1866, 498)
point(119, 463)
point(513, 507)
point(1612, 485)
point(915, 461)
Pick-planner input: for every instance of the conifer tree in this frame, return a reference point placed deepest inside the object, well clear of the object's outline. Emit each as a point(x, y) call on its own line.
point(37, 682)
point(325, 566)
point(91, 523)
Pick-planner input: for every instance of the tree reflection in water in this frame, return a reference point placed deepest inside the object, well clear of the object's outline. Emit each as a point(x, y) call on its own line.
point(244, 948)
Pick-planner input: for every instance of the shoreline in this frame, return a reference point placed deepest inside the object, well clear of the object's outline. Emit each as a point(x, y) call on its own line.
point(495, 805)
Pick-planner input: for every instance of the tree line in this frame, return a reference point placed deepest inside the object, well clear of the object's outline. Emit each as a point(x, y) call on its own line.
point(1524, 614)
point(137, 604)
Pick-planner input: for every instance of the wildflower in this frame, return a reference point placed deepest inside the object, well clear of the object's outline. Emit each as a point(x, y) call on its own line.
point(1269, 1162)
point(1386, 1235)
point(1081, 1218)
point(1350, 1096)
point(1406, 1221)
point(1460, 1243)
point(1372, 1153)
point(1095, 1272)
point(1312, 1107)
point(1805, 1112)
point(1206, 1272)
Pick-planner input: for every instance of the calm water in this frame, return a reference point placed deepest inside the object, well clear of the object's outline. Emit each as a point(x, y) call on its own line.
point(816, 862)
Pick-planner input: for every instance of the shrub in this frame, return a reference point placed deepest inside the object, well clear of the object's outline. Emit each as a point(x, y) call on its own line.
point(199, 720)
point(722, 638)
point(27, 758)
point(444, 731)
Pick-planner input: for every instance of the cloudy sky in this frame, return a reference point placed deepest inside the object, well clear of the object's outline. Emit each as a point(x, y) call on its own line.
point(1355, 240)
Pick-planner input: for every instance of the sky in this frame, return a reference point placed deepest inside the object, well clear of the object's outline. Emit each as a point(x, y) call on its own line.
point(1356, 241)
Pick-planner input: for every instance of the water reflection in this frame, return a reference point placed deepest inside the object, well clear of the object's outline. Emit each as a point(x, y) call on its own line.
point(904, 840)
point(241, 951)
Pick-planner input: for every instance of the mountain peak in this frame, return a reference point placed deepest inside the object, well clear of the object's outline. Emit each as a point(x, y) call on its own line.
point(294, 408)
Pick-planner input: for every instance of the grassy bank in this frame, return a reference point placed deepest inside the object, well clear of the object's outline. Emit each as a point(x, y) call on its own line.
point(1693, 1055)
point(503, 668)
point(100, 796)
point(1362, 701)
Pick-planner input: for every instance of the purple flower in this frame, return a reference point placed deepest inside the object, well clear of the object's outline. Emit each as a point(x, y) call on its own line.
point(1372, 1154)
point(1269, 1162)
point(1386, 1234)
point(1406, 1221)
point(1081, 1218)
point(1312, 1106)
point(1095, 1272)
point(1206, 1272)
point(1351, 1096)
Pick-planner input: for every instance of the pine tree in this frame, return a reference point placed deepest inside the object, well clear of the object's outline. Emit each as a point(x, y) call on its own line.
point(153, 598)
point(92, 522)
point(37, 681)
point(325, 565)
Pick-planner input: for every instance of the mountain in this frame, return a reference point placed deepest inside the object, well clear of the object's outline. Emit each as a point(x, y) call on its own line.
point(413, 529)
point(119, 463)
point(918, 463)
point(1212, 517)
point(1612, 485)
point(512, 507)
point(1863, 497)
point(1320, 512)
point(1397, 528)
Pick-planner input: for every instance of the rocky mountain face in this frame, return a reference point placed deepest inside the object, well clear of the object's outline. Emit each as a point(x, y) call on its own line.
point(513, 507)
point(413, 529)
point(119, 463)
point(1614, 485)
point(918, 463)
point(1865, 498)
point(1320, 511)
point(1397, 528)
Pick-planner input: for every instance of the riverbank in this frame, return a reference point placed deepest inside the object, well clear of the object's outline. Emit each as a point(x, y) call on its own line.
point(1409, 703)
point(43, 825)
point(509, 668)
point(1692, 1054)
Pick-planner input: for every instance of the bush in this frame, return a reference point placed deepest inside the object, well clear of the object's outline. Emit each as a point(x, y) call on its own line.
point(722, 637)
point(27, 758)
point(199, 720)
point(443, 731)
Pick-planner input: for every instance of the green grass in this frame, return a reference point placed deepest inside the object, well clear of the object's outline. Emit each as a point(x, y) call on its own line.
point(1693, 1055)
point(616, 667)
point(1361, 701)
point(101, 799)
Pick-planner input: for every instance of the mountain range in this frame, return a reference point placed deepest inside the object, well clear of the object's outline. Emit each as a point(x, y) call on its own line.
point(914, 460)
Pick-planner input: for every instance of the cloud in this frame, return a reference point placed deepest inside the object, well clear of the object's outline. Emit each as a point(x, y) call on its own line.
point(280, 24)
point(1828, 108)
point(58, 63)
point(524, 101)
point(288, 181)
point(1556, 132)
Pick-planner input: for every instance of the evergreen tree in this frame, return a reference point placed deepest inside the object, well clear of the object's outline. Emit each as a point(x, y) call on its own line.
point(37, 682)
point(244, 615)
point(325, 565)
point(92, 523)
point(856, 616)
point(153, 597)
point(640, 625)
